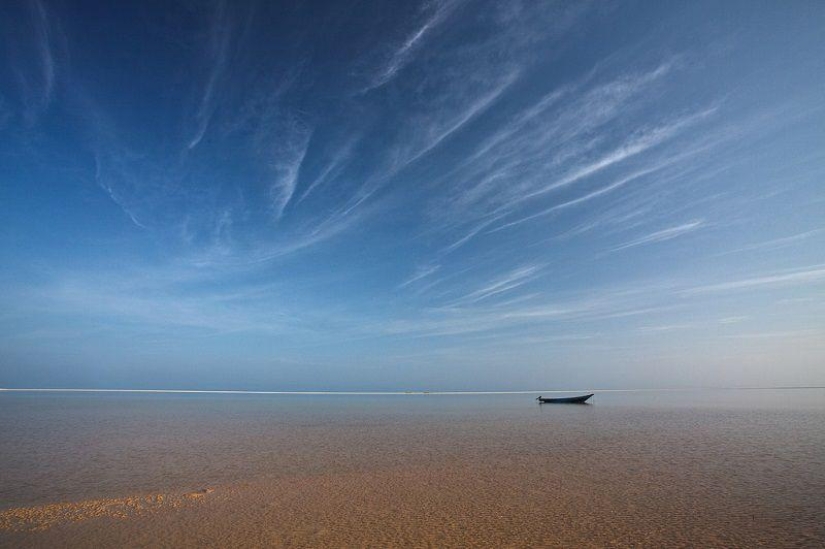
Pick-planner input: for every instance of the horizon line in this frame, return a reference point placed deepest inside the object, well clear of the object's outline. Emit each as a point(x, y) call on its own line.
point(399, 393)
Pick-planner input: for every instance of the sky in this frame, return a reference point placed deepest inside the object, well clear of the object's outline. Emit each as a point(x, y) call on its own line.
point(441, 195)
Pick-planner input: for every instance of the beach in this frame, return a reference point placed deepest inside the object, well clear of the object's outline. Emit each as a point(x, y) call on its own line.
point(719, 469)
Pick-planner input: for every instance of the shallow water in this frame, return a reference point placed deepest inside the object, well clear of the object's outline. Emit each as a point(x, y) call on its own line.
point(735, 466)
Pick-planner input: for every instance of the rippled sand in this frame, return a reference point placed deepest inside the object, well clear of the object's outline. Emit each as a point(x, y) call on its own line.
point(514, 501)
point(590, 477)
point(42, 517)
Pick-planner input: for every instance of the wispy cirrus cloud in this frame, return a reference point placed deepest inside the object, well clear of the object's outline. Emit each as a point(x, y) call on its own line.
point(420, 274)
point(663, 235)
point(479, 317)
point(657, 165)
point(581, 199)
point(34, 49)
point(217, 48)
point(775, 243)
point(549, 146)
point(159, 305)
point(813, 274)
point(334, 168)
point(286, 165)
point(510, 281)
point(637, 145)
point(437, 133)
point(436, 13)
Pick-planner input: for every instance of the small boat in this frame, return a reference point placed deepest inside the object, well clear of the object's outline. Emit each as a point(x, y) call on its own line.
point(564, 400)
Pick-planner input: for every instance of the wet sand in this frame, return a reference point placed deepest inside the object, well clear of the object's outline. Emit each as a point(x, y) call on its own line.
point(512, 501)
point(593, 477)
point(518, 504)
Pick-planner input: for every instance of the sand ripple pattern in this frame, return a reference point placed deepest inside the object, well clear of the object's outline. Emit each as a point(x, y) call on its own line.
point(42, 517)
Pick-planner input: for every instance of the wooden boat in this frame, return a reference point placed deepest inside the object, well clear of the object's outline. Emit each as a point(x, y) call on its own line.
point(564, 400)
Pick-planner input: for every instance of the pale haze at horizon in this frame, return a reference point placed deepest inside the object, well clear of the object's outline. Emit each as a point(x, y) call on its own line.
point(447, 195)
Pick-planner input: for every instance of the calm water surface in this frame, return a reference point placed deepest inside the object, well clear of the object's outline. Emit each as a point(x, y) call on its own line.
point(67, 447)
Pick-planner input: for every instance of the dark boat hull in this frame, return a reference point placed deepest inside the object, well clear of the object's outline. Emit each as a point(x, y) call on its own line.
point(565, 400)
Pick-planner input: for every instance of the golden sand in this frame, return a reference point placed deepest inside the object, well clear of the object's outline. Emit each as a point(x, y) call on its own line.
point(523, 502)
point(32, 519)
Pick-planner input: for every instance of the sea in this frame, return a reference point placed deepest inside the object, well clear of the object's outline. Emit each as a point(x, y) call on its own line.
point(637, 459)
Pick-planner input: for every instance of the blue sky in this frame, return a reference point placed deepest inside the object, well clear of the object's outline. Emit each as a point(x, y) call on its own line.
point(451, 194)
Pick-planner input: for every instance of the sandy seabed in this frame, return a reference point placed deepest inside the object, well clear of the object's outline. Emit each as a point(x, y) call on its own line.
point(512, 503)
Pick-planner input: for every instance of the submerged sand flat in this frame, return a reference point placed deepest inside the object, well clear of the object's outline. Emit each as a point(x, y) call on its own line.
point(42, 517)
point(515, 504)
point(597, 476)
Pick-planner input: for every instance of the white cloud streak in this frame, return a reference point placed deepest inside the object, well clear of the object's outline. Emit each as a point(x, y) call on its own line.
point(104, 184)
point(775, 243)
point(218, 48)
point(420, 274)
point(286, 167)
point(404, 53)
point(510, 281)
point(333, 168)
point(553, 140)
point(809, 275)
point(476, 107)
point(663, 234)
